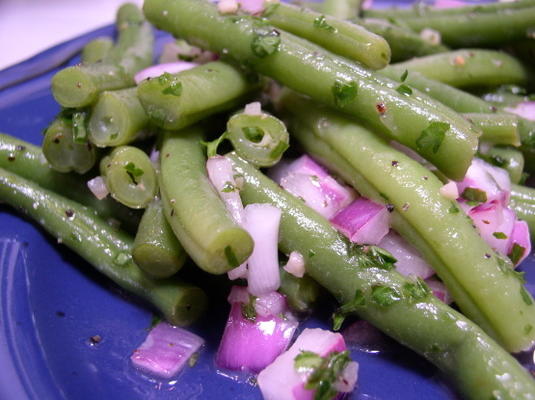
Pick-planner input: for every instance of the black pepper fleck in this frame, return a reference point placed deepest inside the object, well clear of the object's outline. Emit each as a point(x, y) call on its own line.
point(96, 339)
point(390, 207)
point(395, 163)
point(487, 255)
point(381, 108)
point(69, 213)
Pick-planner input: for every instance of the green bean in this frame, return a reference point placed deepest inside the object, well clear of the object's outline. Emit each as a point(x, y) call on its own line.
point(525, 212)
point(130, 176)
point(340, 37)
point(507, 158)
point(497, 128)
point(302, 294)
point(404, 43)
point(261, 139)
point(464, 68)
point(523, 194)
point(179, 100)
point(342, 9)
point(25, 159)
point(309, 69)
point(103, 247)
point(80, 85)
point(193, 208)
point(500, 99)
point(480, 281)
point(63, 152)
point(96, 50)
point(156, 249)
point(117, 118)
point(473, 361)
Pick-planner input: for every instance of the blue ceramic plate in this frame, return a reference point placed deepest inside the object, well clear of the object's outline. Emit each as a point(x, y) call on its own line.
point(52, 302)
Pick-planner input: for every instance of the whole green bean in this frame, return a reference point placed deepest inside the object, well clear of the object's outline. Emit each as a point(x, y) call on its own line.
point(117, 118)
point(302, 294)
point(404, 43)
point(108, 250)
point(193, 208)
point(62, 151)
point(130, 176)
point(261, 138)
point(470, 359)
point(309, 69)
point(80, 85)
point(507, 158)
point(340, 37)
point(496, 128)
point(25, 159)
point(96, 50)
point(179, 100)
point(523, 194)
point(342, 9)
point(481, 282)
point(156, 249)
point(464, 68)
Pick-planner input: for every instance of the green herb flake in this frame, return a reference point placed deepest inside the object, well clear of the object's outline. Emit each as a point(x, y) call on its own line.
point(133, 172)
point(385, 296)
point(417, 290)
point(248, 309)
point(164, 78)
point(211, 147)
point(323, 378)
point(499, 235)
point(498, 160)
point(527, 329)
point(321, 23)
point(516, 254)
point(265, 43)
point(307, 361)
point(432, 137)
point(253, 133)
point(404, 76)
point(311, 253)
point(231, 257)
point(174, 88)
point(526, 296)
point(475, 195)
point(404, 89)
point(453, 209)
point(344, 92)
point(228, 187)
point(343, 311)
point(380, 257)
point(279, 150)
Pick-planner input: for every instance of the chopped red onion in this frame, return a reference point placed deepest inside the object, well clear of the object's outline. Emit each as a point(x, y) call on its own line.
point(521, 238)
point(306, 179)
point(98, 187)
point(409, 260)
point(254, 108)
point(439, 290)
point(252, 344)
point(160, 69)
point(262, 222)
point(494, 181)
point(281, 381)
point(295, 264)
point(348, 380)
point(228, 6)
point(363, 221)
point(450, 191)
point(494, 223)
point(238, 272)
point(270, 304)
point(525, 109)
point(166, 350)
point(254, 7)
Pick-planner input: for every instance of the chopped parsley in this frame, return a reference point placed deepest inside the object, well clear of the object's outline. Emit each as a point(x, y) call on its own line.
point(248, 309)
point(385, 296)
point(417, 290)
point(133, 172)
point(228, 187)
point(475, 195)
point(516, 254)
point(404, 76)
point(321, 23)
point(265, 43)
point(499, 235)
point(344, 92)
point(404, 89)
point(432, 137)
point(211, 147)
point(453, 209)
point(526, 296)
point(343, 311)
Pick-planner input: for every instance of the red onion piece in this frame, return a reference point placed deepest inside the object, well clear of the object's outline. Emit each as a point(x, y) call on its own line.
point(254, 108)
point(295, 264)
point(363, 221)
point(494, 181)
point(526, 110)
point(450, 191)
point(166, 350)
point(439, 290)
point(270, 304)
point(98, 187)
point(228, 6)
point(281, 381)
point(254, 7)
point(262, 222)
point(409, 260)
point(160, 69)
point(252, 345)
point(494, 223)
point(521, 237)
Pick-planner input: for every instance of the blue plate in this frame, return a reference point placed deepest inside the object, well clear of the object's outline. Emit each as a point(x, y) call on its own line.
point(52, 302)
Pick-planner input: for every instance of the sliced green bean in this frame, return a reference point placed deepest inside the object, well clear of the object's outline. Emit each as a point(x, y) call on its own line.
point(193, 208)
point(117, 118)
point(63, 152)
point(156, 249)
point(497, 128)
point(309, 69)
point(25, 159)
point(523, 194)
point(470, 359)
point(179, 100)
point(302, 294)
point(261, 139)
point(404, 43)
point(480, 281)
point(79, 86)
point(97, 50)
point(108, 250)
point(507, 158)
point(342, 9)
point(130, 176)
point(340, 37)
point(465, 68)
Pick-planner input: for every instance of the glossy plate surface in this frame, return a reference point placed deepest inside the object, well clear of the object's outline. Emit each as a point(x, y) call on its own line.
point(52, 302)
